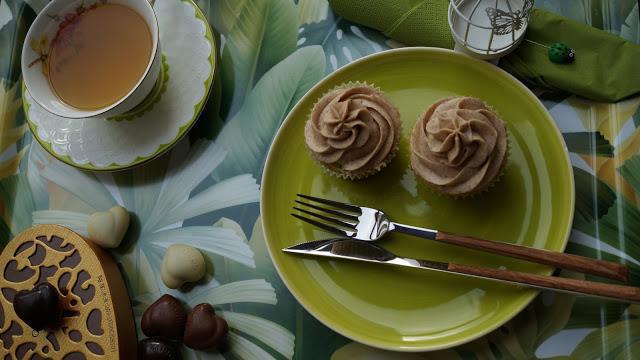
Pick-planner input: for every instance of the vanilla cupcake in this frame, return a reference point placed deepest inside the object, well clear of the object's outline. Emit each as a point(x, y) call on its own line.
point(353, 131)
point(459, 146)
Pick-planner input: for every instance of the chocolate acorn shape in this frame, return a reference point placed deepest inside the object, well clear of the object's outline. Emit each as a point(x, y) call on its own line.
point(204, 329)
point(164, 318)
point(157, 349)
point(39, 307)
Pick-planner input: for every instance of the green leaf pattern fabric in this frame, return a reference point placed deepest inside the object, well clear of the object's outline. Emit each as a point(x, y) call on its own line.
point(205, 191)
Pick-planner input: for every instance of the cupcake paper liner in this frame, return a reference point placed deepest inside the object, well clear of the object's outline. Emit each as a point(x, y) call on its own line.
point(348, 175)
point(474, 193)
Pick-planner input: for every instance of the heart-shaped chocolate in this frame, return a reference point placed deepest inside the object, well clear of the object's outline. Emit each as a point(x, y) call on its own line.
point(204, 329)
point(164, 318)
point(39, 307)
point(107, 228)
point(182, 264)
point(157, 349)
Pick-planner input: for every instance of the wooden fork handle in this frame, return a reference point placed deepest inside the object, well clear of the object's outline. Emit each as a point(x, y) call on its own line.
point(559, 260)
point(610, 291)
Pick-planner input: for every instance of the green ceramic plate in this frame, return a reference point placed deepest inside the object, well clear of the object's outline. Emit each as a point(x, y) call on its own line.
point(414, 310)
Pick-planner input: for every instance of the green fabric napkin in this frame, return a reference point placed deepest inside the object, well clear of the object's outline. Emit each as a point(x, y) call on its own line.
point(605, 66)
point(603, 69)
point(413, 22)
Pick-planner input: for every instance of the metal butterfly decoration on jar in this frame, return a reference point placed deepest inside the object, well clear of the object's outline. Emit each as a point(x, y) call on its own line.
point(490, 29)
point(506, 22)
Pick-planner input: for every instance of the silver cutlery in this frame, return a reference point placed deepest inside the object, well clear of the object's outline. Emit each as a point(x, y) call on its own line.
point(369, 224)
point(358, 250)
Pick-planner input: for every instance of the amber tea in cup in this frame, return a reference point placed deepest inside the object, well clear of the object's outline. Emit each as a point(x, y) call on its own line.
point(98, 55)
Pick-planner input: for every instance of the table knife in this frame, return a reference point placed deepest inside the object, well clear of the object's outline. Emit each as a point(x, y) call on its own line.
point(357, 250)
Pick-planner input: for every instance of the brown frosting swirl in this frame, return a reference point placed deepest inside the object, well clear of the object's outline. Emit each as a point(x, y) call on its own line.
point(459, 145)
point(353, 131)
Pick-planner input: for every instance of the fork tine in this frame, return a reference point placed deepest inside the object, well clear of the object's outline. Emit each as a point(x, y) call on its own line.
point(337, 204)
point(326, 218)
point(329, 211)
point(323, 226)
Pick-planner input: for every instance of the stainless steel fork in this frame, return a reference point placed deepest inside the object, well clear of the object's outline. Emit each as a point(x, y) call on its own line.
point(369, 224)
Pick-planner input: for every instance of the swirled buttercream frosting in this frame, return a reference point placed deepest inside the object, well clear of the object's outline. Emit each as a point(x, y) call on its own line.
point(459, 146)
point(353, 132)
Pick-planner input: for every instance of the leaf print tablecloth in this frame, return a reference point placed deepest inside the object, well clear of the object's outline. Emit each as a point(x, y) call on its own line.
point(205, 191)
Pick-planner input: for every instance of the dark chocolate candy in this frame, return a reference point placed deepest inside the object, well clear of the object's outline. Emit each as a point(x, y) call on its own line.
point(204, 329)
point(39, 307)
point(164, 318)
point(157, 349)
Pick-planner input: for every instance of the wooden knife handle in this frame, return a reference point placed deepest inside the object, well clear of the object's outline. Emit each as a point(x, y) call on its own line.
point(559, 260)
point(612, 291)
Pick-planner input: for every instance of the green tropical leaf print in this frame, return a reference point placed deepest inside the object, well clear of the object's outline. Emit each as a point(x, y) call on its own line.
point(5, 14)
point(179, 181)
point(209, 239)
point(287, 312)
point(169, 192)
point(594, 313)
point(620, 228)
point(83, 184)
point(210, 127)
point(165, 196)
point(611, 342)
point(255, 290)
point(342, 40)
point(10, 131)
point(221, 14)
point(37, 159)
point(70, 219)
point(310, 11)
point(230, 224)
point(175, 198)
point(593, 199)
point(264, 265)
point(8, 167)
point(18, 202)
point(588, 251)
point(610, 17)
point(238, 190)
point(5, 234)
point(12, 36)
point(260, 34)
point(590, 143)
point(248, 135)
point(242, 348)
point(139, 188)
point(271, 334)
point(630, 170)
point(590, 312)
point(631, 26)
point(576, 10)
point(37, 5)
point(597, 13)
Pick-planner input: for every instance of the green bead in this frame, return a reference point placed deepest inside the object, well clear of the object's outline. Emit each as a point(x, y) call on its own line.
point(560, 53)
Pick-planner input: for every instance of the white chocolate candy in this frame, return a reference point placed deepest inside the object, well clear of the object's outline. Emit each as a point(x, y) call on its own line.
point(182, 264)
point(107, 228)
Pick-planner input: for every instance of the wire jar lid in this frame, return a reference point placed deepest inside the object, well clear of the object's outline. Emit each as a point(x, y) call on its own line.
point(489, 29)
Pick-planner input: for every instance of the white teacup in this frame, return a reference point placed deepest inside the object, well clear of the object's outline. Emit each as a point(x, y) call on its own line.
point(38, 84)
